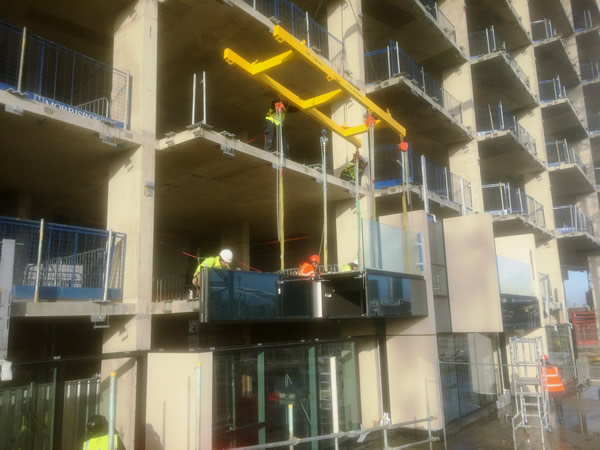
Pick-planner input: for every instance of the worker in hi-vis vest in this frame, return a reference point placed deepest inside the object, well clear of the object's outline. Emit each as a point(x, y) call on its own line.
point(310, 269)
point(214, 262)
point(552, 382)
point(271, 123)
point(97, 435)
point(351, 266)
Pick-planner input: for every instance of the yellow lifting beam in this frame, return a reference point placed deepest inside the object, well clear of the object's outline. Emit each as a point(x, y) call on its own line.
point(309, 106)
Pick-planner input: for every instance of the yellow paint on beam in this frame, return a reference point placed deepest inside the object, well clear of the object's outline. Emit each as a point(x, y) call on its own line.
point(283, 36)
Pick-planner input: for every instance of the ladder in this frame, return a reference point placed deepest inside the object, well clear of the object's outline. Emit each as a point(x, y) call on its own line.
point(531, 399)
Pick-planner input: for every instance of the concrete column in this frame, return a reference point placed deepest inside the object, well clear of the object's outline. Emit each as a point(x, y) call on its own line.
point(236, 237)
point(345, 23)
point(463, 158)
point(135, 51)
point(594, 268)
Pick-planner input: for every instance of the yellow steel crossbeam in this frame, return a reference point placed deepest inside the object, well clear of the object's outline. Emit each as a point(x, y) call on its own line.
point(283, 36)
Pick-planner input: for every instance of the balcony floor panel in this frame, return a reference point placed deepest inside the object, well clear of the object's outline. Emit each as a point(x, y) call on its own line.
point(494, 78)
point(503, 156)
point(515, 224)
point(418, 112)
point(401, 21)
point(389, 201)
point(551, 56)
point(560, 119)
point(569, 179)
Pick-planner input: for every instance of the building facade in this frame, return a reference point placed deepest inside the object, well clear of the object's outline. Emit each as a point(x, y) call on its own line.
point(141, 146)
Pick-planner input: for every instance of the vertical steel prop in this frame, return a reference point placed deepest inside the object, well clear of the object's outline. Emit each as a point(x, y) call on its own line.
point(324, 141)
point(36, 294)
point(112, 407)
point(280, 110)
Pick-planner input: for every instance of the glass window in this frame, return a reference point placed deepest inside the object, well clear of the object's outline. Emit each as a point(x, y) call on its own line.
point(391, 295)
point(254, 389)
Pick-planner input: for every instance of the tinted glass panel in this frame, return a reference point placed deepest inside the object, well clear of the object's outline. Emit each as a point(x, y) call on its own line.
point(520, 312)
point(394, 295)
point(237, 295)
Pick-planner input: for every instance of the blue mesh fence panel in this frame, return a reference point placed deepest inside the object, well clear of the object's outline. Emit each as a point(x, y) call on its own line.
point(10, 53)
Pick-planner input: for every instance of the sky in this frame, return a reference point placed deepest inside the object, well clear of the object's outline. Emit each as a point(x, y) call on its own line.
point(575, 288)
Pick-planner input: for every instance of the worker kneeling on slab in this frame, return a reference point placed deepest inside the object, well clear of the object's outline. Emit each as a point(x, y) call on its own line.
point(222, 261)
point(310, 269)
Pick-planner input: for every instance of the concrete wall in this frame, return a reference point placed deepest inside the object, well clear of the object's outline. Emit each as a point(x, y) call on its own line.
point(171, 409)
point(472, 274)
point(414, 379)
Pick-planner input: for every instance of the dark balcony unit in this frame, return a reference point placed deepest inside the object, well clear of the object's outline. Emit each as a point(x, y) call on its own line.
point(575, 232)
point(505, 147)
point(590, 72)
point(584, 21)
point(551, 54)
point(235, 296)
point(514, 211)
point(559, 114)
point(436, 47)
point(496, 73)
point(416, 98)
point(569, 176)
point(520, 313)
point(432, 186)
point(506, 19)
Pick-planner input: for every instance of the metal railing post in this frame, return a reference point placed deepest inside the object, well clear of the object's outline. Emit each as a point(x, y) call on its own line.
point(509, 198)
point(334, 398)
point(204, 97)
point(425, 188)
point(194, 100)
point(398, 56)
point(291, 423)
point(307, 30)
point(198, 403)
point(447, 185)
point(463, 200)
point(127, 102)
point(389, 60)
point(108, 264)
point(487, 37)
point(112, 407)
point(501, 116)
point(39, 261)
point(22, 59)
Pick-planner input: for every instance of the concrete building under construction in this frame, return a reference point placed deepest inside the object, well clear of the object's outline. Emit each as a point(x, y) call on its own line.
point(132, 148)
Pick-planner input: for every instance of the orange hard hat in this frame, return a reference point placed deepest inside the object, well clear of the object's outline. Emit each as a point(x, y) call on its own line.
point(315, 259)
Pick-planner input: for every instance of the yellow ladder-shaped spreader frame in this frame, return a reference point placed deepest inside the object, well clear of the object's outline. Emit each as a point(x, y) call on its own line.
point(344, 88)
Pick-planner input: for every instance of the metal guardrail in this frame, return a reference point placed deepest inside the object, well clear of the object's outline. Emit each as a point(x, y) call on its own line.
point(542, 30)
point(59, 77)
point(594, 122)
point(501, 199)
point(551, 90)
point(590, 70)
point(392, 61)
point(89, 260)
point(492, 118)
point(583, 20)
point(443, 21)
point(570, 219)
point(438, 180)
point(487, 41)
point(597, 175)
point(304, 28)
point(559, 152)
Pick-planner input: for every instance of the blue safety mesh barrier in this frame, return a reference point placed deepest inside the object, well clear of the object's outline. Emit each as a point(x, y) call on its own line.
point(583, 20)
point(590, 70)
point(443, 21)
point(542, 30)
point(62, 78)
point(551, 90)
point(73, 262)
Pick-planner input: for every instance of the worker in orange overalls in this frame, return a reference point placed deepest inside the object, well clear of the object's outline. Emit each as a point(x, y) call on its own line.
point(310, 269)
point(552, 382)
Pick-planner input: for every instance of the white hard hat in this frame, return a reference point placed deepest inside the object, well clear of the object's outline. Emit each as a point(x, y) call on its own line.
point(226, 255)
point(355, 262)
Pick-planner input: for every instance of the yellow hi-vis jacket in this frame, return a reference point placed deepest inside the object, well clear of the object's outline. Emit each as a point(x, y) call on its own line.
point(214, 262)
point(99, 443)
point(272, 117)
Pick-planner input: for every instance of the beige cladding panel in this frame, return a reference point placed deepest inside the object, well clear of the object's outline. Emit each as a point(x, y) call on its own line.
point(472, 274)
point(413, 378)
point(370, 401)
point(171, 401)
